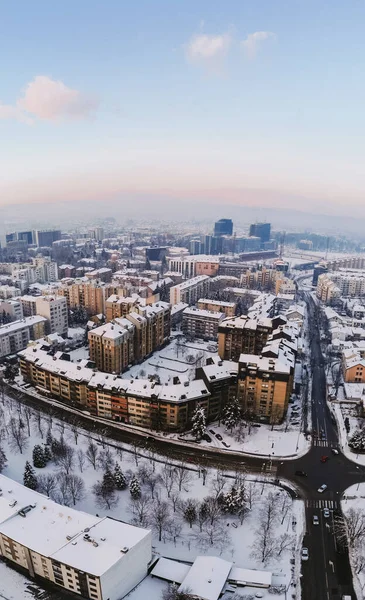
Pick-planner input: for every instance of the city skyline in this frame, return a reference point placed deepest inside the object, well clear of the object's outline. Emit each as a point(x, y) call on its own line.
point(253, 104)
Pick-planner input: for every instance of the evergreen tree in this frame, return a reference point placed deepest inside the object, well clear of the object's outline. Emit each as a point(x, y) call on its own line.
point(29, 478)
point(3, 459)
point(231, 414)
point(39, 460)
point(119, 479)
point(198, 422)
point(47, 453)
point(357, 441)
point(108, 481)
point(190, 512)
point(49, 438)
point(135, 488)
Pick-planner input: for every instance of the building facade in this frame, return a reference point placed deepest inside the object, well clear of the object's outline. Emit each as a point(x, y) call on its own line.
point(54, 309)
point(16, 336)
point(242, 335)
point(190, 291)
point(201, 323)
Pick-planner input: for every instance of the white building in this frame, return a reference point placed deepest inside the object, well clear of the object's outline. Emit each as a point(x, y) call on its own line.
point(97, 558)
point(12, 308)
point(191, 290)
point(54, 309)
point(16, 336)
point(9, 291)
point(200, 323)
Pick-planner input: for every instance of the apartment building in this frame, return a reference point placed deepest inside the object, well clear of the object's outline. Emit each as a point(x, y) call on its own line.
point(89, 294)
point(353, 365)
point(104, 274)
point(92, 557)
point(118, 306)
point(190, 291)
point(16, 335)
point(167, 407)
point(111, 346)
point(29, 305)
point(12, 308)
point(242, 335)
point(191, 266)
point(201, 323)
point(9, 291)
point(264, 386)
point(130, 339)
point(228, 308)
point(346, 262)
point(341, 283)
point(54, 309)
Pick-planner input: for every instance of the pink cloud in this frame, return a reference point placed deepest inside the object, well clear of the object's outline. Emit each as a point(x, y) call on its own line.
point(49, 100)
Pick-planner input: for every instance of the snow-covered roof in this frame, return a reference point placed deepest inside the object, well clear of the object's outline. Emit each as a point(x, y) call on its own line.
point(17, 325)
point(170, 570)
point(181, 392)
point(179, 307)
point(264, 363)
point(207, 577)
point(58, 531)
point(244, 322)
point(220, 369)
point(250, 577)
point(217, 302)
point(192, 311)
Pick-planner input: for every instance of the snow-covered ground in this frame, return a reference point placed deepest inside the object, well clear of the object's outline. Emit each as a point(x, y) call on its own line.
point(179, 358)
point(232, 540)
point(354, 499)
point(341, 413)
point(282, 441)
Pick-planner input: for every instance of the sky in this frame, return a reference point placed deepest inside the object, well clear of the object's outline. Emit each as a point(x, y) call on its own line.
point(257, 102)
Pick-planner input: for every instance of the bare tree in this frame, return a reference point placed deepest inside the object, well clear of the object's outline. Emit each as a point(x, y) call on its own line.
point(175, 499)
point(102, 437)
point(76, 487)
point(174, 529)
point(47, 484)
point(160, 516)
point(213, 535)
point(264, 545)
point(183, 477)
point(75, 424)
point(18, 437)
point(105, 494)
point(106, 459)
point(92, 452)
point(61, 427)
point(152, 484)
point(140, 509)
point(284, 542)
point(203, 472)
point(219, 483)
point(350, 529)
point(81, 459)
point(286, 505)
point(252, 493)
point(168, 478)
point(189, 510)
point(172, 593)
point(135, 448)
point(63, 491)
point(67, 460)
point(27, 412)
point(39, 420)
point(213, 509)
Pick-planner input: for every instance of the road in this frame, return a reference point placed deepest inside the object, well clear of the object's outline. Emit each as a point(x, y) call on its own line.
point(327, 574)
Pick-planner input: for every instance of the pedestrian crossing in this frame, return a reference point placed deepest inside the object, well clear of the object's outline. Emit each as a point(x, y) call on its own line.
point(331, 504)
point(322, 443)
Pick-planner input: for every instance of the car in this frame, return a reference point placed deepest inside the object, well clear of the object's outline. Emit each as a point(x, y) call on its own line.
point(326, 513)
point(218, 436)
point(206, 437)
point(322, 488)
point(301, 473)
point(295, 422)
point(324, 459)
point(305, 553)
point(226, 445)
point(315, 520)
point(256, 425)
point(212, 431)
point(334, 451)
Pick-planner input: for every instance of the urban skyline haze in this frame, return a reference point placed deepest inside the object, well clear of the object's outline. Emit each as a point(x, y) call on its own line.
point(248, 103)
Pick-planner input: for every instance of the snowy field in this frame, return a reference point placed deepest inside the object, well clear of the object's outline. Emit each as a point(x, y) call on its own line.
point(233, 528)
point(180, 358)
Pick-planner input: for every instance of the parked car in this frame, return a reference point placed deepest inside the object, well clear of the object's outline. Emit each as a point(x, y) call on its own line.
point(334, 451)
point(324, 459)
point(218, 436)
point(206, 437)
point(305, 553)
point(256, 425)
point(315, 520)
point(326, 513)
point(301, 473)
point(322, 488)
point(212, 431)
point(295, 422)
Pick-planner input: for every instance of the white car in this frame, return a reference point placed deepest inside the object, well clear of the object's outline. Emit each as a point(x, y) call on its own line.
point(326, 513)
point(305, 553)
point(315, 520)
point(322, 488)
